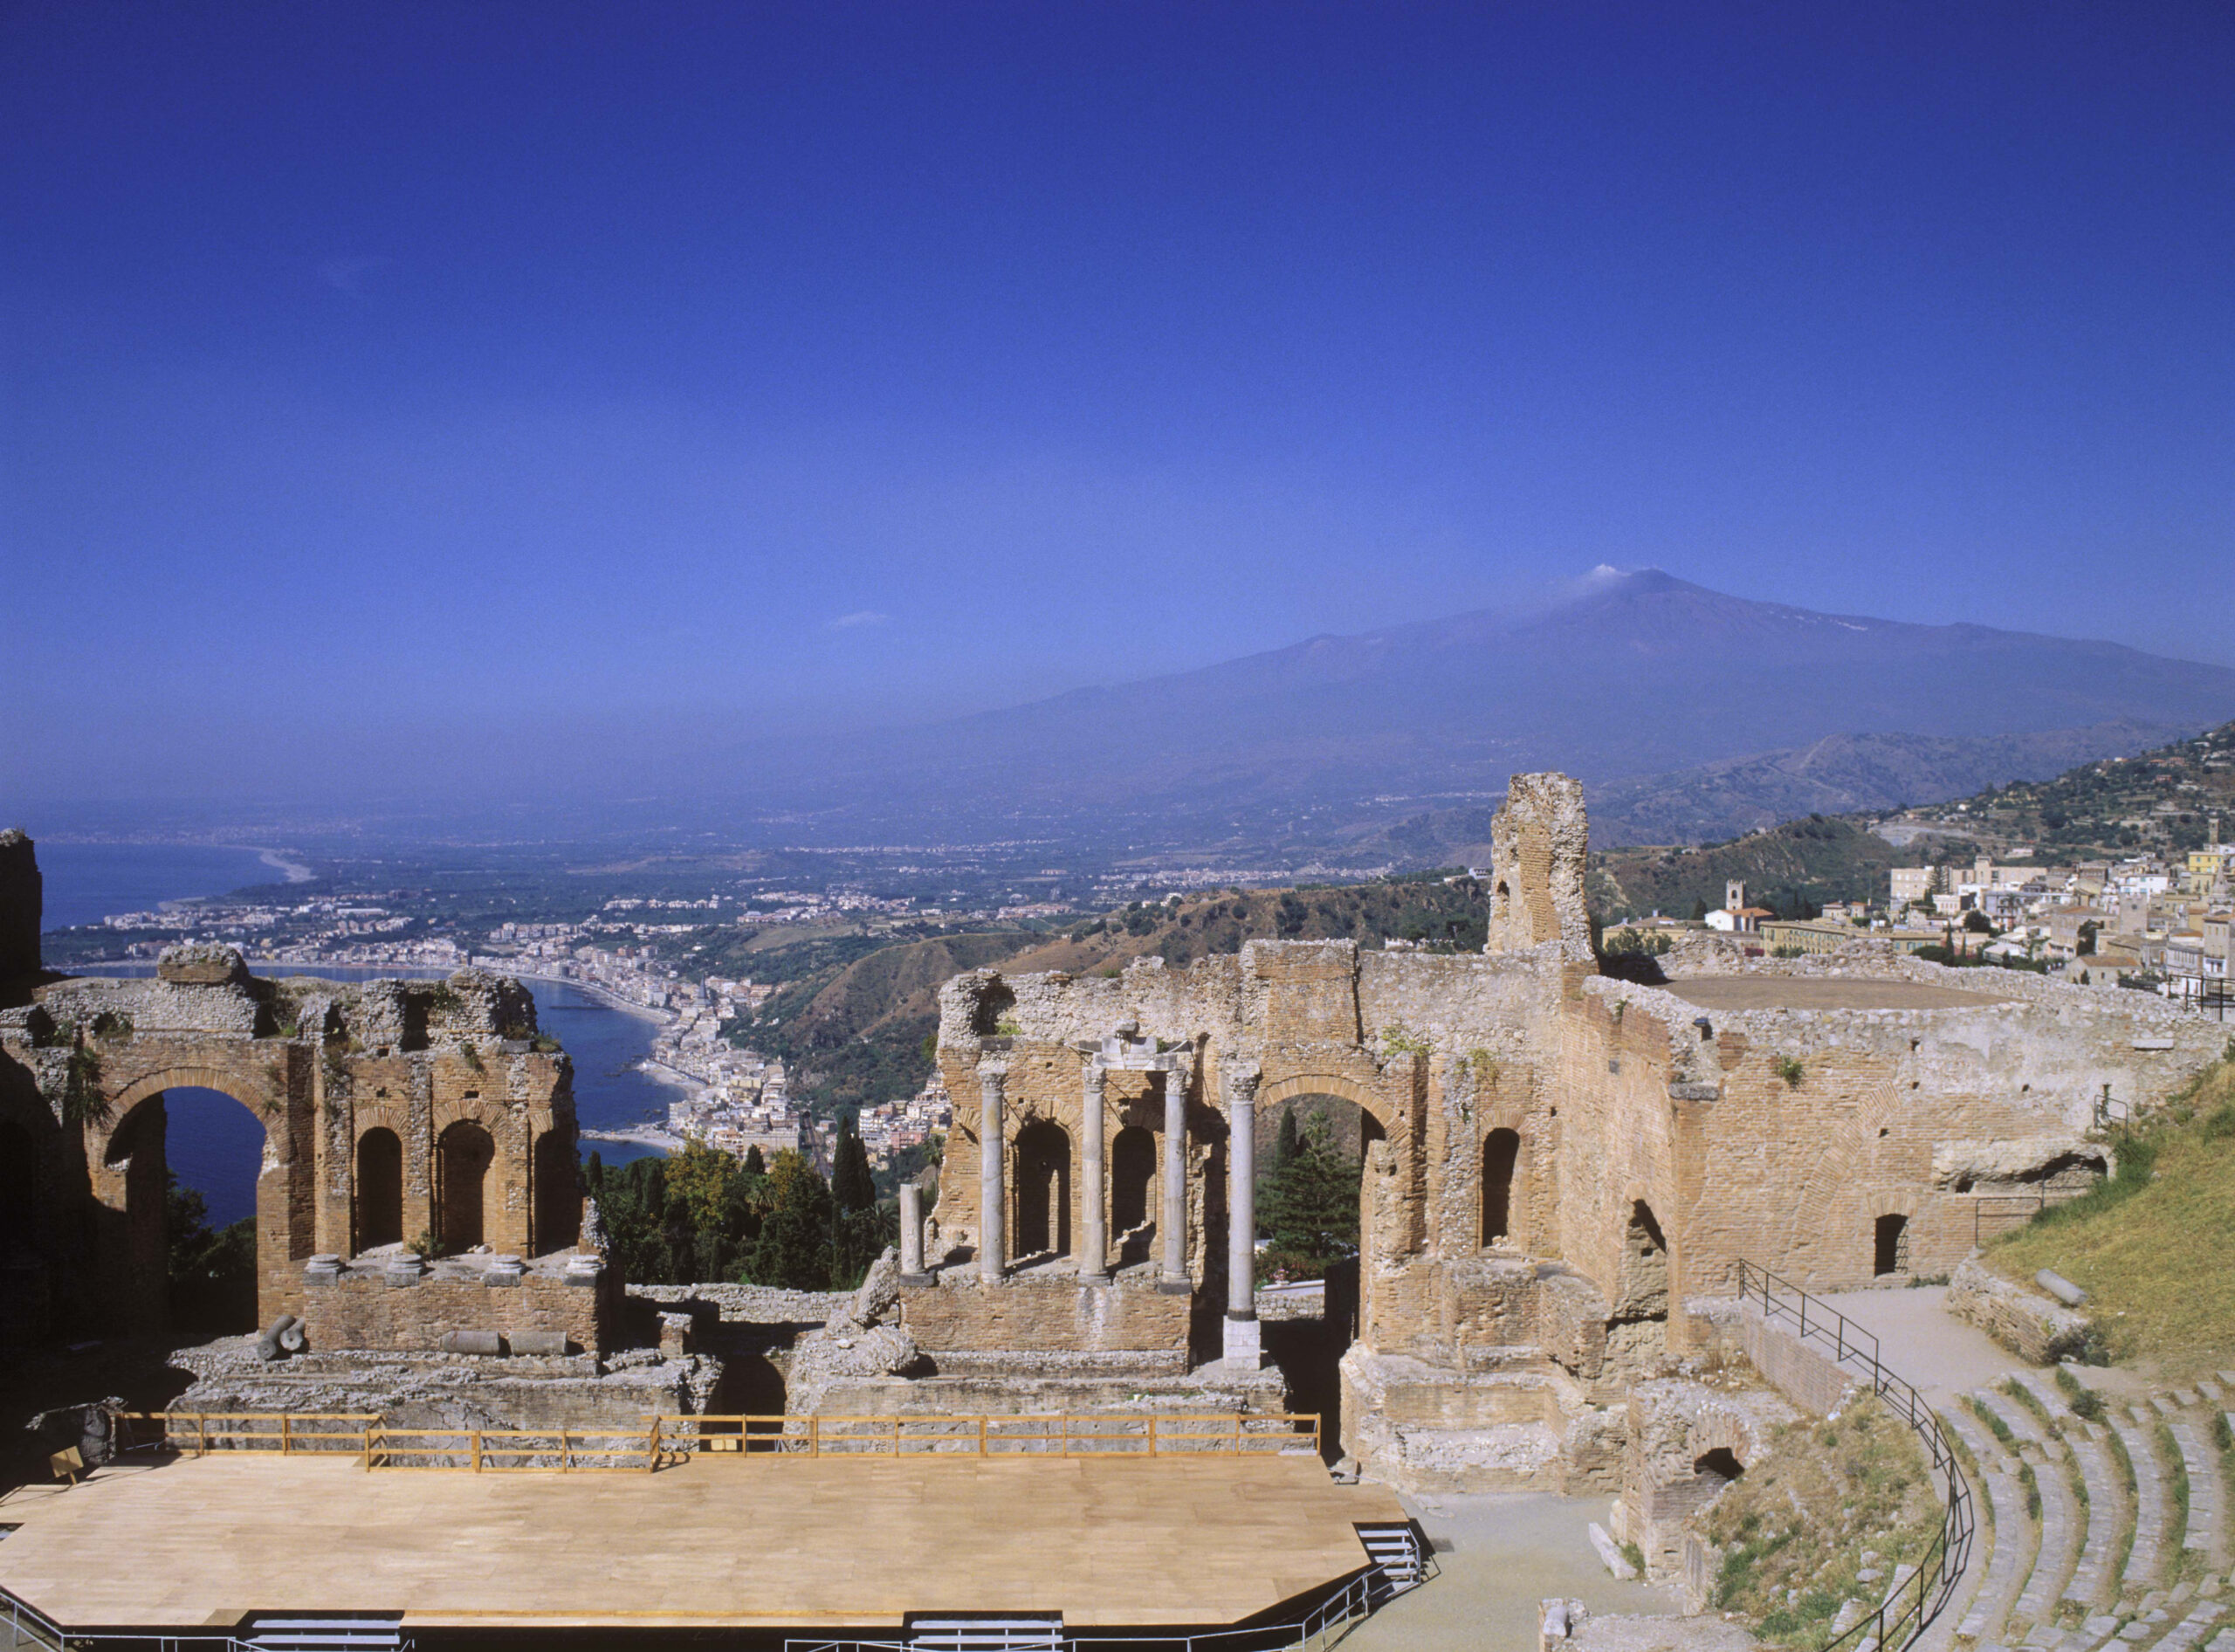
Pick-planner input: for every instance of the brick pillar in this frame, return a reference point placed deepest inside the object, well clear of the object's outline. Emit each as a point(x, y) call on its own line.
point(993, 1211)
point(1094, 1193)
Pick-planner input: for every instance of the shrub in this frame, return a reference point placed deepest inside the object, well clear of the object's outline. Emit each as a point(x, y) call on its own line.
point(1789, 1068)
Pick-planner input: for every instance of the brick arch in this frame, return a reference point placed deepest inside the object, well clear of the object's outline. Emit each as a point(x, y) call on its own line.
point(1370, 1101)
point(224, 1081)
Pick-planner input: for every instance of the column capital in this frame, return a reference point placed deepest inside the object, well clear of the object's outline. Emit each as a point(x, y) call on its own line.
point(1241, 1075)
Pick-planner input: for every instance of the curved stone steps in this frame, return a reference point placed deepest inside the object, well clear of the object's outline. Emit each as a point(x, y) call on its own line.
point(2015, 1417)
point(1940, 1635)
point(2059, 1547)
point(2049, 1397)
point(2010, 1560)
point(2093, 1581)
point(2200, 1458)
point(2145, 1561)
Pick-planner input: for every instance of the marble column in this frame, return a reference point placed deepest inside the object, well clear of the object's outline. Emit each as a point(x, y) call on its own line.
point(1172, 1225)
point(1094, 1192)
point(1243, 1345)
point(992, 1208)
point(912, 1231)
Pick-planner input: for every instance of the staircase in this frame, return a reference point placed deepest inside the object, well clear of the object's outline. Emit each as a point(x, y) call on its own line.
point(2089, 1559)
point(355, 1632)
point(986, 1632)
point(1396, 1550)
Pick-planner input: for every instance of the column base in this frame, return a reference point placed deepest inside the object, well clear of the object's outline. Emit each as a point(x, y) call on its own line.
point(1175, 1287)
point(916, 1279)
point(1086, 1278)
point(1245, 1347)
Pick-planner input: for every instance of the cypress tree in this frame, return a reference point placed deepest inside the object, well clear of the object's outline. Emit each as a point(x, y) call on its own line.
point(852, 1184)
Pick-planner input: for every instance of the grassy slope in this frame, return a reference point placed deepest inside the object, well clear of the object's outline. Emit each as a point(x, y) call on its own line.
point(2153, 1253)
point(1801, 862)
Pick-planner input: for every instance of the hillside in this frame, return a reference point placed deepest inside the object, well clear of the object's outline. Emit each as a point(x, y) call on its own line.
point(2149, 1247)
point(853, 1024)
point(2161, 800)
point(1791, 868)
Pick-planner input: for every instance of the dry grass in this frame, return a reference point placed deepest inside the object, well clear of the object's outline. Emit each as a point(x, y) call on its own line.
point(1794, 1529)
point(2151, 1248)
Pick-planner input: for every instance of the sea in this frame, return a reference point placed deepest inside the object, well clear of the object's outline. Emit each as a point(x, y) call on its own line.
point(215, 1144)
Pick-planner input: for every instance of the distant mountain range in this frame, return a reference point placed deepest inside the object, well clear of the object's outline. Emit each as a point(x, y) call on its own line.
point(1689, 714)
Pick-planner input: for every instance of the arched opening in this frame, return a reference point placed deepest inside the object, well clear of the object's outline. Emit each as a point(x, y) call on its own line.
point(1310, 1162)
point(380, 1190)
point(190, 1159)
point(558, 1194)
point(1893, 1246)
point(1132, 1184)
point(1041, 1180)
point(463, 1158)
point(1719, 1467)
point(1501, 1151)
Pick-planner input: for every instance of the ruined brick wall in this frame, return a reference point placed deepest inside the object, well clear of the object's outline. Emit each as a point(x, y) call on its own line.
point(1045, 1316)
point(365, 1308)
point(318, 1064)
point(1539, 841)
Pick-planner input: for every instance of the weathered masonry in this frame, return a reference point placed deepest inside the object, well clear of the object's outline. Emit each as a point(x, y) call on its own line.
point(1555, 1161)
point(394, 1114)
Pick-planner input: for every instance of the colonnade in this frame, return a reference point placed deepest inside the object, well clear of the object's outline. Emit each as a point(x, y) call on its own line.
point(1121, 1052)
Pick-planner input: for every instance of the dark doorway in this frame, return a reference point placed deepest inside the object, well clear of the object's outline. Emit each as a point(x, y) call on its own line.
point(1042, 1182)
point(465, 1154)
point(1893, 1247)
point(558, 1194)
point(1132, 1181)
point(1500, 1149)
point(380, 1190)
point(1718, 1465)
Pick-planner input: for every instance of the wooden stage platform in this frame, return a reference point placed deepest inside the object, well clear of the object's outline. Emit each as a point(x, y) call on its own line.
point(756, 1542)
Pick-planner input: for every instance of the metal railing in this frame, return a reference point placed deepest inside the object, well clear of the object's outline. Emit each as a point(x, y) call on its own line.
point(1224, 1434)
point(1320, 1625)
point(1903, 1616)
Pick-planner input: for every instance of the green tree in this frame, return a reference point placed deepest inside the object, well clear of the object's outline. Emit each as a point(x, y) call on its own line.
point(1308, 1207)
point(1287, 1144)
point(212, 1271)
point(793, 1248)
point(852, 1184)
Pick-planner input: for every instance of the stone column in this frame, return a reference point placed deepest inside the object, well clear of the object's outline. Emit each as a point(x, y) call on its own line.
point(992, 1209)
point(912, 1231)
point(1094, 1194)
point(1243, 1346)
point(1174, 1223)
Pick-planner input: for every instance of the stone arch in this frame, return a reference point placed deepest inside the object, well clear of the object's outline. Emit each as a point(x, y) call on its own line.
point(1039, 1180)
point(131, 1179)
point(557, 1193)
point(463, 1157)
point(1501, 1157)
point(1367, 1099)
point(379, 1189)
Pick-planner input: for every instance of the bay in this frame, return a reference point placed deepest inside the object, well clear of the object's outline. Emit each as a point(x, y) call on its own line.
point(85, 883)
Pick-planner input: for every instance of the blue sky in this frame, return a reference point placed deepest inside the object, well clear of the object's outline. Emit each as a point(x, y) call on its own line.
point(381, 377)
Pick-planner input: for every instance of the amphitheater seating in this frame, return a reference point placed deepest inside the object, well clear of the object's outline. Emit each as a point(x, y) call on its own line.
point(2102, 1566)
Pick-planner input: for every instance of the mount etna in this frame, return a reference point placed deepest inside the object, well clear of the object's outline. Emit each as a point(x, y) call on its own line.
point(1690, 714)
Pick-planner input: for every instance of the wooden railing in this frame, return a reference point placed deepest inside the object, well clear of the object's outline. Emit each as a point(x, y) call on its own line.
point(518, 1450)
point(1205, 1435)
point(666, 1441)
point(325, 1433)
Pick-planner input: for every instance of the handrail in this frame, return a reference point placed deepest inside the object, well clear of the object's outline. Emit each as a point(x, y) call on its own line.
point(1223, 1434)
point(1887, 1629)
point(291, 1436)
point(517, 1450)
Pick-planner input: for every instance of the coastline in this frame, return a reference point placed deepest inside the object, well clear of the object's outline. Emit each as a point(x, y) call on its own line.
point(641, 1136)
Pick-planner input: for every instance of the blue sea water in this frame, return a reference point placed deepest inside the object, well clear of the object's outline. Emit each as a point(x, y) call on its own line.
point(215, 1144)
point(85, 883)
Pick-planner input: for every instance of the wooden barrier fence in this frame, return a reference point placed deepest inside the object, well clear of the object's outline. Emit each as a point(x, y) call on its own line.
point(1208, 1435)
point(668, 1441)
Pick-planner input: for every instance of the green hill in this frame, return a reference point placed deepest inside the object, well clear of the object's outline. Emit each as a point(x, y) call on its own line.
point(2150, 1245)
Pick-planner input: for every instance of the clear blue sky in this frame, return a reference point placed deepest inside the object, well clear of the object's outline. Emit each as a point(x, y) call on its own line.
point(410, 374)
